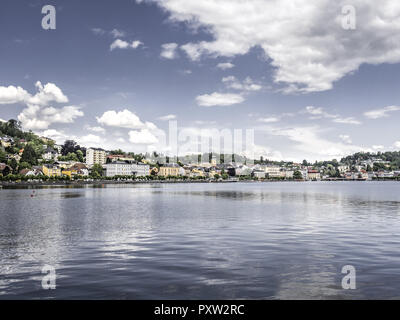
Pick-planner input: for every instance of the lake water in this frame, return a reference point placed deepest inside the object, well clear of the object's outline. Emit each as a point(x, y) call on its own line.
point(202, 241)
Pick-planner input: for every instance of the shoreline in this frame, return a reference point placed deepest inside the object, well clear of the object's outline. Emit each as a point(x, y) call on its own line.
point(108, 182)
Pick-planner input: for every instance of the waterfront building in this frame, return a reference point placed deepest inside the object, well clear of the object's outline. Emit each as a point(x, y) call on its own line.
point(169, 169)
point(289, 174)
point(273, 171)
point(95, 156)
point(259, 174)
point(51, 170)
point(314, 175)
point(123, 168)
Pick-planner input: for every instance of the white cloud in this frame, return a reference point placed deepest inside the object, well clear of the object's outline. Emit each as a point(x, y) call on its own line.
point(397, 144)
point(304, 40)
point(247, 84)
point(58, 136)
point(349, 120)
point(225, 65)
point(381, 113)
point(345, 138)
point(167, 117)
point(121, 119)
point(35, 117)
point(169, 50)
point(141, 132)
point(143, 136)
point(11, 95)
point(47, 93)
point(122, 44)
point(219, 99)
point(378, 147)
point(117, 33)
point(308, 143)
point(38, 115)
point(320, 113)
point(96, 129)
point(90, 140)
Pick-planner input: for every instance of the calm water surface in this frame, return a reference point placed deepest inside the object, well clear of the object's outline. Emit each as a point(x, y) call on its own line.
point(202, 241)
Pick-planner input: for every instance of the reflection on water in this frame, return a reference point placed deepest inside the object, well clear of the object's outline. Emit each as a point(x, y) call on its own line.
point(197, 241)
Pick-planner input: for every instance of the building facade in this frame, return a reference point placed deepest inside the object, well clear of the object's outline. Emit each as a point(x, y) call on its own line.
point(169, 170)
point(127, 169)
point(95, 156)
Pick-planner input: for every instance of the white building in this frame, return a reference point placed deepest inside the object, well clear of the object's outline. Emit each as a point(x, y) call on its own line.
point(94, 156)
point(50, 154)
point(127, 169)
point(273, 171)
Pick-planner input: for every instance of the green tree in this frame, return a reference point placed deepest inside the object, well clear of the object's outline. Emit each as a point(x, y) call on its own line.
point(297, 175)
point(29, 155)
point(13, 164)
point(3, 156)
point(79, 154)
point(97, 171)
point(24, 165)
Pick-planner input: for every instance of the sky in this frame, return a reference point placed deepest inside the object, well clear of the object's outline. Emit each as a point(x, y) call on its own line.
point(314, 80)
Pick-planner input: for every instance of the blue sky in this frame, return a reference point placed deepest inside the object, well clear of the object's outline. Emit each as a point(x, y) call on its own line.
point(112, 70)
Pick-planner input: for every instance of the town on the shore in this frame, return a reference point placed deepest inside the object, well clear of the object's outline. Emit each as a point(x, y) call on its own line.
point(27, 157)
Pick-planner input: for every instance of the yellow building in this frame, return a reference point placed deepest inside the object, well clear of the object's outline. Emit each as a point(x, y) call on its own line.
point(51, 170)
point(197, 173)
point(169, 170)
point(69, 172)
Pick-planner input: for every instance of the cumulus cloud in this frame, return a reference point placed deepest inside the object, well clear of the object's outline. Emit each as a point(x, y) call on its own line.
point(38, 115)
point(219, 99)
point(121, 119)
point(397, 144)
point(169, 51)
point(381, 113)
point(144, 136)
point(90, 140)
point(225, 65)
point(11, 95)
point(35, 117)
point(142, 132)
point(47, 93)
point(58, 135)
point(122, 44)
point(304, 40)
